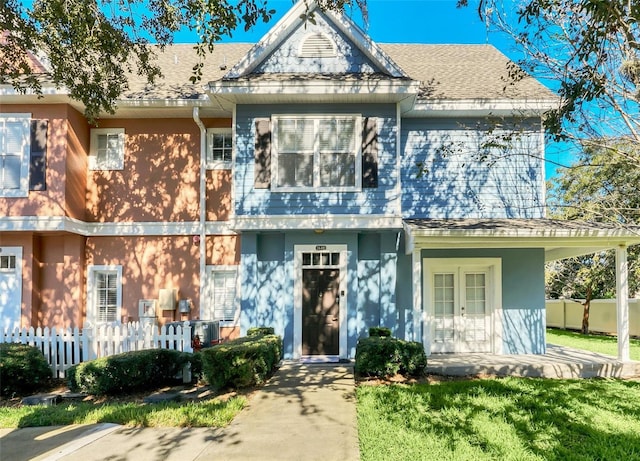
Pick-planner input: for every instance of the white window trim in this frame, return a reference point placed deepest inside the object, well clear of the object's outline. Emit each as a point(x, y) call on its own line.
point(92, 314)
point(316, 154)
point(95, 132)
point(17, 272)
point(219, 164)
point(297, 296)
point(23, 191)
point(208, 304)
point(494, 293)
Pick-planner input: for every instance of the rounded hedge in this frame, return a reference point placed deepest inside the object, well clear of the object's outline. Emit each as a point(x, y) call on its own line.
point(23, 369)
point(130, 371)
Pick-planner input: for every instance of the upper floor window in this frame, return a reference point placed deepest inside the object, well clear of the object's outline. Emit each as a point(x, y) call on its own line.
point(317, 153)
point(107, 149)
point(104, 294)
point(219, 148)
point(14, 155)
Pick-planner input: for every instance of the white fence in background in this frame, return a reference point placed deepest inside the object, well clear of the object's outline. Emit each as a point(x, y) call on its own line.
point(566, 313)
point(65, 347)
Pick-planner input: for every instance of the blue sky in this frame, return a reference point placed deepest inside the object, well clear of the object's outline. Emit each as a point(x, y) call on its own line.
point(414, 21)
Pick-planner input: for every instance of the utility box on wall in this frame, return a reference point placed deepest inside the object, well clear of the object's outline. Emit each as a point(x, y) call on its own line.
point(167, 299)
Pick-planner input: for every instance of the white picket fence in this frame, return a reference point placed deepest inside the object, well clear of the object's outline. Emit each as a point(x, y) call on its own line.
point(65, 347)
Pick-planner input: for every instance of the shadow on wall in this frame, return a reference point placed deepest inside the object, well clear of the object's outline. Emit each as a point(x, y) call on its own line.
point(480, 169)
point(159, 181)
point(149, 264)
point(524, 331)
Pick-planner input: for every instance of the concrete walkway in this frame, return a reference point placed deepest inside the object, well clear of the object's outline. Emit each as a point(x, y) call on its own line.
point(305, 412)
point(558, 362)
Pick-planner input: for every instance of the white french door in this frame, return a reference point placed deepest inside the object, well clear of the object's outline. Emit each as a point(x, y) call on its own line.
point(10, 287)
point(460, 307)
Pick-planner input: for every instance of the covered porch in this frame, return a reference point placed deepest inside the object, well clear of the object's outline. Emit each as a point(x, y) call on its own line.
point(558, 239)
point(558, 362)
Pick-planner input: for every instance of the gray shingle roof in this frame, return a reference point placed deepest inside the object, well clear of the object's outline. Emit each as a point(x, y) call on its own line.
point(451, 72)
point(176, 63)
point(463, 72)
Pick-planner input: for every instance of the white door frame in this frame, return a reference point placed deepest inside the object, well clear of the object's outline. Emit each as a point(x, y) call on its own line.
point(5, 322)
point(297, 294)
point(493, 266)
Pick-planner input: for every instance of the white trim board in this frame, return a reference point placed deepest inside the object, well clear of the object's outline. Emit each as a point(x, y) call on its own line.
point(75, 226)
point(297, 295)
point(494, 267)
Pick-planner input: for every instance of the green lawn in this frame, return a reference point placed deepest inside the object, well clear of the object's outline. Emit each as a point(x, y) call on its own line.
point(505, 419)
point(209, 413)
point(595, 343)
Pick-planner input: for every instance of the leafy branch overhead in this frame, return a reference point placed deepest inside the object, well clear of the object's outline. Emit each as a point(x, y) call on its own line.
point(589, 50)
point(89, 47)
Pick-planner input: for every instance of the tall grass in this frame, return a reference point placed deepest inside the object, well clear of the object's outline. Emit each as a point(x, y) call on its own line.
point(505, 419)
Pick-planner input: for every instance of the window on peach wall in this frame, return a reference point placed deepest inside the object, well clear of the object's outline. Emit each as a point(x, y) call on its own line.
point(104, 294)
point(107, 149)
point(14, 155)
point(219, 148)
point(222, 294)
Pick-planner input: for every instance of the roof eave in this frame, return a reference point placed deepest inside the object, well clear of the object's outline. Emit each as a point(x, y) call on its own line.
point(482, 107)
point(314, 90)
point(557, 243)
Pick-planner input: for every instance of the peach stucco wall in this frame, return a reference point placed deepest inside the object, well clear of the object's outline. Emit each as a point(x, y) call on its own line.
point(53, 201)
point(62, 282)
point(77, 165)
point(52, 278)
point(149, 264)
point(160, 179)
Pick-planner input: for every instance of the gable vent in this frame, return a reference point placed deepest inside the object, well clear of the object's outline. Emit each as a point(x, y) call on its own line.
point(317, 46)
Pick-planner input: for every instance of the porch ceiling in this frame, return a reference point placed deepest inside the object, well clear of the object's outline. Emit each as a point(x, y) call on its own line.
point(559, 239)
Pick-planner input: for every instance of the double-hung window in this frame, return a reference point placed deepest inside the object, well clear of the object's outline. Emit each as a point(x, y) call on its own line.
point(14, 155)
point(222, 293)
point(104, 294)
point(107, 149)
point(219, 148)
point(317, 153)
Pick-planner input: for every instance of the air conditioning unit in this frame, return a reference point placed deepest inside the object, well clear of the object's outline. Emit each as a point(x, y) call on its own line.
point(208, 331)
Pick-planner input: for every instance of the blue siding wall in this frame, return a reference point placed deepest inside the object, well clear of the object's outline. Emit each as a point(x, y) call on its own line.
point(381, 200)
point(267, 297)
point(523, 301)
point(285, 59)
point(470, 170)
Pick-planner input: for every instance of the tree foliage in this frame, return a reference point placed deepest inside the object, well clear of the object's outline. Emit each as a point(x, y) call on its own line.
point(89, 46)
point(591, 48)
point(597, 188)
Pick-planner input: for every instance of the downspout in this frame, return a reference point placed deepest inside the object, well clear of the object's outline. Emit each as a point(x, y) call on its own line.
point(203, 205)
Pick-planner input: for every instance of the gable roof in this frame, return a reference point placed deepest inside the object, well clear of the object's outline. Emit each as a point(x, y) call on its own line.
point(295, 19)
point(443, 72)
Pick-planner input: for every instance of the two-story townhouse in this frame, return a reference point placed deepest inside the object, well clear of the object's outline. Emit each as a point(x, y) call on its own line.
point(320, 183)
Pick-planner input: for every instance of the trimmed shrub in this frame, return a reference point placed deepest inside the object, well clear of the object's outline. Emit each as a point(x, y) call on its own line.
point(131, 371)
point(23, 369)
point(242, 362)
point(260, 331)
point(379, 331)
point(383, 356)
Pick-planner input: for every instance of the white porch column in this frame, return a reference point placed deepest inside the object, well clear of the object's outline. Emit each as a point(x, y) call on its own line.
point(622, 302)
point(417, 296)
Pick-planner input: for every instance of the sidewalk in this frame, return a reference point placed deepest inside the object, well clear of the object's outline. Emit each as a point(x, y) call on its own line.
point(305, 412)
